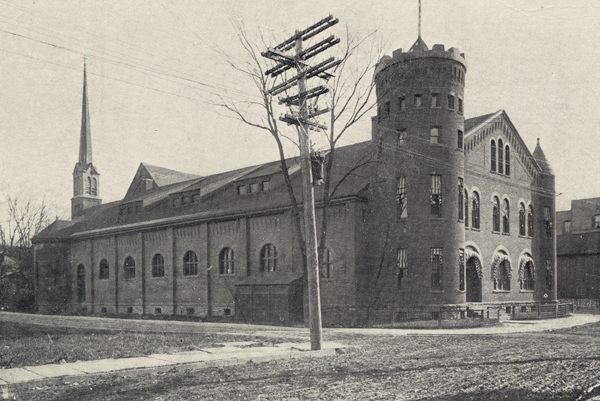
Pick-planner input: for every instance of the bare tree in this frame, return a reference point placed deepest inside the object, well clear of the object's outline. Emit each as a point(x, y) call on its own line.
point(24, 218)
point(351, 97)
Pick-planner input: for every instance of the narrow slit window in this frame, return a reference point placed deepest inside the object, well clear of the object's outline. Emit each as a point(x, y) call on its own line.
point(459, 139)
point(451, 102)
point(401, 198)
point(435, 100)
point(436, 268)
point(500, 157)
point(434, 135)
point(461, 200)
point(401, 266)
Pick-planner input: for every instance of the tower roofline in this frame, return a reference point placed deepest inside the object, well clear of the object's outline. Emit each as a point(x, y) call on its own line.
point(420, 50)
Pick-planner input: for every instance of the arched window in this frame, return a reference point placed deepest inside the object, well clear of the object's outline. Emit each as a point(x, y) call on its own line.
point(461, 200)
point(522, 220)
point(81, 283)
point(475, 211)
point(326, 265)
point(507, 160)
point(88, 189)
point(500, 157)
point(158, 266)
point(496, 214)
point(129, 268)
point(505, 216)
point(226, 261)
point(493, 155)
point(466, 208)
point(94, 190)
point(527, 281)
point(190, 264)
point(104, 270)
point(501, 272)
point(530, 221)
point(268, 258)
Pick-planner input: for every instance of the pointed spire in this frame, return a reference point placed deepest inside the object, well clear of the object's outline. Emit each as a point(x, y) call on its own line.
point(540, 158)
point(419, 46)
point(85, 140)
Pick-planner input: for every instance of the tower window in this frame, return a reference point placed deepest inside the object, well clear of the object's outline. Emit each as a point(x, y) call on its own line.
point(435, 100)
point(94, 189)
point(401, 266)
point(435, 198)
point(402, 137)
point(460, 105)
point(530, 221)
point(451, 102)
point(401, 210)
point(434, 135)
point(461, 269)
point(402, 103)
point(418, 101)
point(548, 221)
point(459, 139)
point(88, 189)
point(436, 268)
point(466, 208)
point(461, 200)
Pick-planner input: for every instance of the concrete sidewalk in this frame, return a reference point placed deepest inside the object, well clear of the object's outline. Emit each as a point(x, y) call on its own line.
point(230, 354)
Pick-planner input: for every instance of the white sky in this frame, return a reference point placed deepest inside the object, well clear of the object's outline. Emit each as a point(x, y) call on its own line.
point(152, 66)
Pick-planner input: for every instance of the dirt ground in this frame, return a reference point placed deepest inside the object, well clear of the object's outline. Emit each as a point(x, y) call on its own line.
point(558, 365)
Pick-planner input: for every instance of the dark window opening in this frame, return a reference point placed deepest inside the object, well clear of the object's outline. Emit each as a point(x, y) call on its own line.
point(268, 258)
point(401, 198)
point(496, 214)
point(459, 139)
point(226, 261)
point(475, 211)
point(436, 268)
point(506, 217)
point(461, 269)
point(461, 200)
point(158, 266)
point(401, 266)
point(326, 265)
point(435, 198)
point(129, 268)
point(104, 270)
point(493, 155)
point(451, 102)
point(190, 264)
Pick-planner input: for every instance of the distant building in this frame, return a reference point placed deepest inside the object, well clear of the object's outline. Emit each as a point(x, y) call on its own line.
point(442, 211)
point(578, 250)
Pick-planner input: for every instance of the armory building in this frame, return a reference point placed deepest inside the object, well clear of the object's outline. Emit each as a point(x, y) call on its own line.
point(433, 210)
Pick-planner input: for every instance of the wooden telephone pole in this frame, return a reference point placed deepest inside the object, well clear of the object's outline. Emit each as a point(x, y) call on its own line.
point(303, 118)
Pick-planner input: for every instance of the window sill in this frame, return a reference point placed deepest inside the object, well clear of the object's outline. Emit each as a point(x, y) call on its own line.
point(496, 232)
point(461, 291)
point(159, 278)
point(527, 291)
point(435, 218)
point(505, 233)
point(436, 291)
point(129, 279)
point(501, 291)
point(226, 274)
point(188, 276)
point(475, 229)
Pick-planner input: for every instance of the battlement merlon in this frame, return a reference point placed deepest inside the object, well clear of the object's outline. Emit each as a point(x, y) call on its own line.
point(438, 51)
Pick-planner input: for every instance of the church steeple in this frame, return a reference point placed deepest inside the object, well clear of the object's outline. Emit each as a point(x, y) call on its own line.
point(86, 179)
point(85, 140)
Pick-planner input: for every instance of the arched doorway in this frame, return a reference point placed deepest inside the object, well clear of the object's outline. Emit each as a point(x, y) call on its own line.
point(473, 281)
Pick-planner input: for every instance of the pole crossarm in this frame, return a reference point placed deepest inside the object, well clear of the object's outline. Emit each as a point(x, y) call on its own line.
point(290, 43)
point(294, 100)
point(286, 62)
point(291, 119)
point(319, 47)
point(309, 73)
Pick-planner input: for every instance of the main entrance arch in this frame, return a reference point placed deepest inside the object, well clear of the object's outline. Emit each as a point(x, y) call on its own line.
point(473, 280)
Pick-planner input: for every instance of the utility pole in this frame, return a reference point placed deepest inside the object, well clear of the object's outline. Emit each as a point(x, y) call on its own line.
point(303, 118)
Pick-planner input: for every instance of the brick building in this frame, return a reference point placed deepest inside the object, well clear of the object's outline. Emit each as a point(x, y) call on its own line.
point(578, 250)
point(445, 211)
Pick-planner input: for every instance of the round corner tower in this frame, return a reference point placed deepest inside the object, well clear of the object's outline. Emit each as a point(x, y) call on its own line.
point(419, 129)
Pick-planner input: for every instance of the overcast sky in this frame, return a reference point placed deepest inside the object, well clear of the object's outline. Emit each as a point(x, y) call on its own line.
point(154, 70)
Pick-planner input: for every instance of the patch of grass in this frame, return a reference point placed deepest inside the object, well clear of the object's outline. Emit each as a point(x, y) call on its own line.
point(28, 345)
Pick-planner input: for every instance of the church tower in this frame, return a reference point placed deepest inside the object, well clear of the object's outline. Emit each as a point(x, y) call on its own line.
point(86, 179)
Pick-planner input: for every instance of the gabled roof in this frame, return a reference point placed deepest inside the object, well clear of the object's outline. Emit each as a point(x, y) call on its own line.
point(478, 128)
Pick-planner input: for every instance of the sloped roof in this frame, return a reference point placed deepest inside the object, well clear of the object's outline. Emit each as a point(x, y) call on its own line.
point(540, 158)
point(472, 122)
point(352, 167)
point(164, 176)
